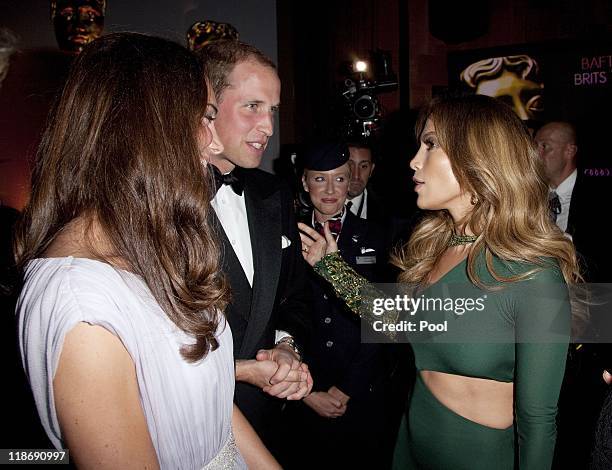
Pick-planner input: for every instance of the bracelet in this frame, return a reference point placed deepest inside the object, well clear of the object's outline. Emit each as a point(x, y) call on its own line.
point(289, 341)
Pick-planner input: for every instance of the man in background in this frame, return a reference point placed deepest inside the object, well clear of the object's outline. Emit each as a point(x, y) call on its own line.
point(557, 146)
point(360, 201)
point(574, 197)
point(574, 201)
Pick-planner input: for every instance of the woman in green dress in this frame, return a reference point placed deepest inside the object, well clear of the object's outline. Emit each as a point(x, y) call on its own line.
point(478, 403)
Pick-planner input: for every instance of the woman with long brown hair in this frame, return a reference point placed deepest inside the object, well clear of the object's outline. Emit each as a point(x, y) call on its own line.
point(120, 317)
point(490, 393)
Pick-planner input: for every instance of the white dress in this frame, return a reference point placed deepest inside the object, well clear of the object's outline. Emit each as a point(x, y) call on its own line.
point(188, 407)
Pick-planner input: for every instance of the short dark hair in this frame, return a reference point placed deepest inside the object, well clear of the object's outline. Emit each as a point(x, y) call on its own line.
point(220, 58)
point(362, 144)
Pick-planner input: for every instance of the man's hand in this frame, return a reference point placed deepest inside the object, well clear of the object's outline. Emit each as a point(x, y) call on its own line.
point(277, 372)
point(325, 405)
point(284, 356)
point(292, 379)
point(255, 372)
point(295, 390)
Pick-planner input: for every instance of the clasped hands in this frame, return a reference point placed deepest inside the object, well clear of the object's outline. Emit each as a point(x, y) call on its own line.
point(278, 372)
point(330, 404)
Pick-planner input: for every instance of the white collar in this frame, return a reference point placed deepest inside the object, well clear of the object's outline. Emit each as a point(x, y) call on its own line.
point(357, 199)
point(342, 217)
point(564, 190)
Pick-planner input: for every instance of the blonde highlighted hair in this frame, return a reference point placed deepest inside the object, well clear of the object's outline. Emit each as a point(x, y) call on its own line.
point(495, 159)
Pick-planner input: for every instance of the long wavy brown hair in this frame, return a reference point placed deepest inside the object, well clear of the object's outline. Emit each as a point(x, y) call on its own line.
point(495, 159)
point(121, 149)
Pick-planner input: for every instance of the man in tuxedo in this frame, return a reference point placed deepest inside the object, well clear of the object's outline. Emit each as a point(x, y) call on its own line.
point(575, 200)
point(269, 312)
point(363, 202)
point(360, 201)
point(574, 197)
point(557, 147)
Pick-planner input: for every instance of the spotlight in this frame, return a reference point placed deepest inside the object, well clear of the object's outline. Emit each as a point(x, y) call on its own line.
point(361, 66)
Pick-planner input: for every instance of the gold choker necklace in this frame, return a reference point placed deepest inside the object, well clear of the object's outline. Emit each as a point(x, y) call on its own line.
point(461, 239)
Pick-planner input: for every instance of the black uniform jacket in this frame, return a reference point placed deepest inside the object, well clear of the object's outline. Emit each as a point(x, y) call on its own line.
point(335, 354)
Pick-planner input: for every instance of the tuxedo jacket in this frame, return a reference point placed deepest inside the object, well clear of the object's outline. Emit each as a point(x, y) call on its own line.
point(398, 228)
point(588, 209)
point(335, 353)
point(376, 209)
point(279, 298)
point(583, 391)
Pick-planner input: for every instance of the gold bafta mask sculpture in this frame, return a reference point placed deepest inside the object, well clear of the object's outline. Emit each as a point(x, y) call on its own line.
point(513, 79)
point(77, 22)
point(8, 44)
point(203, 32)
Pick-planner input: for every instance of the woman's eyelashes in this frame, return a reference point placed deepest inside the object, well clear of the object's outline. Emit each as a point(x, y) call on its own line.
point(430, 143)
point(322, 179)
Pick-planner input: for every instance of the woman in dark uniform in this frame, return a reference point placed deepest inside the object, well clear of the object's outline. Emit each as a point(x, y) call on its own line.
point(344, 417)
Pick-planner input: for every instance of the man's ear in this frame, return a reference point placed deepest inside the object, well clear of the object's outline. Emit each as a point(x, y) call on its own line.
point(571, 150)
point(372, 170)
point(304, 183)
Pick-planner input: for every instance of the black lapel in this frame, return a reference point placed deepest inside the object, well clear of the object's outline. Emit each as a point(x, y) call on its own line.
point(575, 202)
point(264, 213)
point(239, 284)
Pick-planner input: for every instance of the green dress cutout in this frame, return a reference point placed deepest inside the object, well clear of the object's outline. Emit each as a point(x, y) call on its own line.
point(528, 322)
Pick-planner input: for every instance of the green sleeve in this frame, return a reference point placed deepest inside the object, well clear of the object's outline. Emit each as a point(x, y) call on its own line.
point(347, 284)
point(542, 325)
point(354, 290)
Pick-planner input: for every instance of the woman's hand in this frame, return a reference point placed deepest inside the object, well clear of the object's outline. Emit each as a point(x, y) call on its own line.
point(314, 246)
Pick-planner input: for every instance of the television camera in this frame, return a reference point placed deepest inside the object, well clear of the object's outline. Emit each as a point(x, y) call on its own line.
point(362, 113)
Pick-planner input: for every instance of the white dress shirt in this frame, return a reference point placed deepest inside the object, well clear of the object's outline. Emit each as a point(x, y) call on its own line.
point(357, 202)
point(231, 211)
point(564, 191)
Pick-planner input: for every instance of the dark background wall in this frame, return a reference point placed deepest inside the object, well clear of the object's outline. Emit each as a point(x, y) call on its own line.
point(507, 22)
point(312, 40)
point(254, 19)
point(37, 69)
point(316, 37)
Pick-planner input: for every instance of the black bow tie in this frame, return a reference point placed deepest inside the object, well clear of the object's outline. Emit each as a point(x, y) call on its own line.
point(230, 179)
